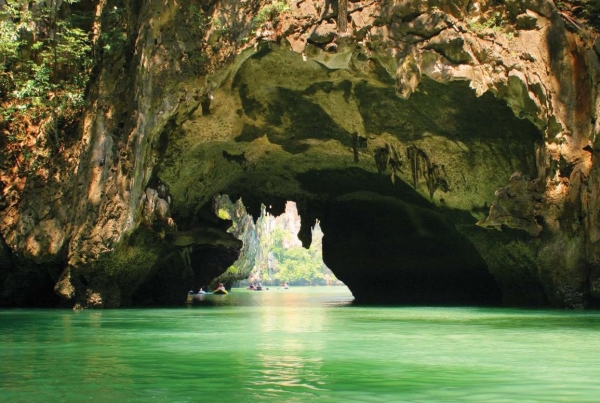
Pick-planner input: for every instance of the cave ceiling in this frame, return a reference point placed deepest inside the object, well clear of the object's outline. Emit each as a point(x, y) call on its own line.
point(285, 127)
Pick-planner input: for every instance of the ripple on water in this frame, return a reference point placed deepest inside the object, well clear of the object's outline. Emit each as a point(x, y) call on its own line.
point(298, 346)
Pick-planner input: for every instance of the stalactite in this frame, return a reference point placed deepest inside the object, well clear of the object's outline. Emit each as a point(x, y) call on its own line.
point(308, 220)
point(385, 156)
point(355, 146)
point(381, 156)
point(394, 161)
point(421, 166)
point(359, 143)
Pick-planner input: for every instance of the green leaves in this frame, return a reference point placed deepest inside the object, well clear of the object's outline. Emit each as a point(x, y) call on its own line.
point(114, 35)
point(10, 40)
point(299, 264)
point(38, 48)
point(295, 263)
point(46, 60)
point(197, 17)
point(270, 12)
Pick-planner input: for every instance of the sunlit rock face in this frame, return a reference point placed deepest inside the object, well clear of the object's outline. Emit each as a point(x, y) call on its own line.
point(400, 135)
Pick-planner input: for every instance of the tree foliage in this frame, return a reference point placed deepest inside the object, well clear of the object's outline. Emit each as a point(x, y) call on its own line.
point(270, 12)
point(46, 59)
point(295, 264)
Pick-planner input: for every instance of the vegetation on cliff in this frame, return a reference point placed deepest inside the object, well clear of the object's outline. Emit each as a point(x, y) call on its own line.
point(46, 61)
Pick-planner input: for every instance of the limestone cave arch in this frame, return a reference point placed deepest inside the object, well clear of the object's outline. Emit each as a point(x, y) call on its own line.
point(397, 184)
point(407, 136)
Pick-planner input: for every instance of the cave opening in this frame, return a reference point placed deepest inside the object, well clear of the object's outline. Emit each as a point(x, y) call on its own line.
point(383, 249)
point(397, 185)
point(273, 253)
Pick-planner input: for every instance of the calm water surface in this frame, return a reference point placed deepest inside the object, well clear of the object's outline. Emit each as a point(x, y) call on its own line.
point(299, 345)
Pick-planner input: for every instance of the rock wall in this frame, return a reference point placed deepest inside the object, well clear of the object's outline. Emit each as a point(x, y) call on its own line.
point(472, 111)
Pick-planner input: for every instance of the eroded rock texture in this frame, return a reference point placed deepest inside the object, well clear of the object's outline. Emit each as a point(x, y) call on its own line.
point(400, 134)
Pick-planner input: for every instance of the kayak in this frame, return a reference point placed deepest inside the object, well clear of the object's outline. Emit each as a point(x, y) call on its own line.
point(224, 292)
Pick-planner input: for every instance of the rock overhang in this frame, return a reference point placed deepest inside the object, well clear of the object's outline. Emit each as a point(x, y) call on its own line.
point(339, 137)
point(278, 117)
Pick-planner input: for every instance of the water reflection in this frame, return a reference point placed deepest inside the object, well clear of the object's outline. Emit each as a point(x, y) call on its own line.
point(288, 347)
point(294, 297)
point(284, 350)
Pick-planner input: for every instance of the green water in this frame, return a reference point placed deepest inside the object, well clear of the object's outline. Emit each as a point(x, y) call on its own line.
point(299, 345)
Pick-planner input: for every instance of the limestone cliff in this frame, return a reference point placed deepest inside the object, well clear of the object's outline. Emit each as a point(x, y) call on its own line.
point(399, 133)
